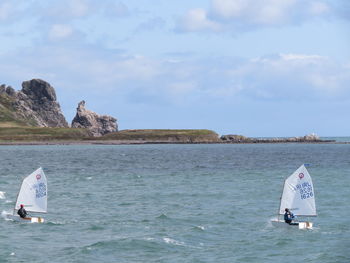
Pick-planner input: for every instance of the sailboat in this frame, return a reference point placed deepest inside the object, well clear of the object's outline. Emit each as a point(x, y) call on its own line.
point(33, 196)
point(298, 196)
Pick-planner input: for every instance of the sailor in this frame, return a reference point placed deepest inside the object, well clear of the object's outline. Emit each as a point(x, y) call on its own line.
point(22, 212)
point(288, 217)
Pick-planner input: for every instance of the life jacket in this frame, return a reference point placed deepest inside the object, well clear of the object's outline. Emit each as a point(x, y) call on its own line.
point(22, 212)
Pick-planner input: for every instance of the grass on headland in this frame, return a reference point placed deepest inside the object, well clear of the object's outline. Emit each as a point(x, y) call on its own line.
point(8, 116)
point(164, 135)
point(25, 133)
point(12, 132)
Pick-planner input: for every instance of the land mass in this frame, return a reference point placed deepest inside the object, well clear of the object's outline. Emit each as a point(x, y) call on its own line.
point(33, 116)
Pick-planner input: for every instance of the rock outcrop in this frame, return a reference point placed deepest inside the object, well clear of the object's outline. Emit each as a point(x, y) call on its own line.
point(98, 125)
point(233, 138)
point(35, 104)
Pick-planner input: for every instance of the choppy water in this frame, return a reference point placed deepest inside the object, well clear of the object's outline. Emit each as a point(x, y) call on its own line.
point(175, 203)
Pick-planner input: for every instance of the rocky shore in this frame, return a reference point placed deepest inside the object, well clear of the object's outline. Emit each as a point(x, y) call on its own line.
point(32, 116)
point(311, 138)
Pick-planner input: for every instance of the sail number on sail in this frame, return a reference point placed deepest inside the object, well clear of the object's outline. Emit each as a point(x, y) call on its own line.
point(305, 190)
point(40, 190)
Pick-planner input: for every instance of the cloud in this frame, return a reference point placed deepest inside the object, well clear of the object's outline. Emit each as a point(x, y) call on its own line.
point(249, 14)
point(78, 8)
point(87, 70)
point(5, 10)
point(115, 9)
point(151, 24)
point(60, 31)
point(197, 20)
point(254, 11)
point(319, 8)
point(293, 77)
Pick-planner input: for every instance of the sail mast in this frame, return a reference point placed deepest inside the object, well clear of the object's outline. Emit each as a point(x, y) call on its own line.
point(14, 209)
point(279, 208)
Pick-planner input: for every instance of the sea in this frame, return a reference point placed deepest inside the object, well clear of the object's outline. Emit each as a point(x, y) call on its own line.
point(175, 203)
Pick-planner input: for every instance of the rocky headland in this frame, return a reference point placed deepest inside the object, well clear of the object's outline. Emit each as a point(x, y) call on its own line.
point(33, 115)
point(34, 105)
point(98, 125)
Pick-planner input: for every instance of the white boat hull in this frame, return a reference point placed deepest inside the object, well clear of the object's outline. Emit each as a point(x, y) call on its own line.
point(32, 219)
point(301, 224)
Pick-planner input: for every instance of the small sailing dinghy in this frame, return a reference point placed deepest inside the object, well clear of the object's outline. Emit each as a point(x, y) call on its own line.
point(33, 195)
point(298, 195)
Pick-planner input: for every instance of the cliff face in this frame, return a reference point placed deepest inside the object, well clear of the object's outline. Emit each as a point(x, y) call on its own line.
point(34, 105)
point(98, 125)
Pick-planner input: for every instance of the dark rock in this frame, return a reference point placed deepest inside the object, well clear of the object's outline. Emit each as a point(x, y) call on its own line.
point(98, 125)
point(37, 102)
point(2, 88)
point(39, 91)
point(242, 139)
point(233, 138)
point(10, 91)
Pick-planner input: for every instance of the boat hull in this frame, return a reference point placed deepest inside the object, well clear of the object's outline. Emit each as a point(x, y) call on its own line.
point(32, 219)
point(300, 225)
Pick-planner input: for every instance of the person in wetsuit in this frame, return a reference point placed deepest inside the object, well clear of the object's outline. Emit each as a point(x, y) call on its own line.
point(22, 212)
point(288, 217)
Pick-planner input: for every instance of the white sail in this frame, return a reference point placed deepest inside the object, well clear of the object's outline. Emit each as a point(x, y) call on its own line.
point(298, 194)
point(33, 192)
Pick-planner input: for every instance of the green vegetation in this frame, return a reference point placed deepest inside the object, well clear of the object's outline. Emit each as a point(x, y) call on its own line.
point(13, 134)
point(15, 129)
point(6, 111)
point(182, 136)
point(8, 117)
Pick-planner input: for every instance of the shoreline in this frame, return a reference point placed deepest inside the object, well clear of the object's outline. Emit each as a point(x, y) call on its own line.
point(144, 142)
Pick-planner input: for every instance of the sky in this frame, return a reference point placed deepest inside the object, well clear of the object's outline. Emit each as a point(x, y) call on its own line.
point(259, 68)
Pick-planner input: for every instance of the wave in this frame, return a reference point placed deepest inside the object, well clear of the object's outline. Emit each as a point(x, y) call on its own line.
point(126, 244)
point(55, 223)
point(199, 228)
point(2, 195)
point(4, 215)
point(162, 216)
point(173, 242)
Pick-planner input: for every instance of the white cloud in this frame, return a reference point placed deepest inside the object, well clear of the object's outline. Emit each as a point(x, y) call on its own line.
point(289, 76)
point(301, 57)
point(78, 8)
point(243, 14)
point(253, 11)
point(293, 76)
point(319, 8)
point(60, 31)
point(197, 20)
point(228, 9)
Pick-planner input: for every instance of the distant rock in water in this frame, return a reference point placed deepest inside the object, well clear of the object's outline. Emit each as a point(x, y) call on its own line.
point(233, 138)
point(98, 125)
point(34, 105)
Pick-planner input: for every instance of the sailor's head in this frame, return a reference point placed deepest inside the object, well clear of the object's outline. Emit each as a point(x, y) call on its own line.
point(22, 206)
point(287, 210)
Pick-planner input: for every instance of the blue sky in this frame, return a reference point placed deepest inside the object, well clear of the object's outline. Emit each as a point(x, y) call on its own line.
point(251, 67)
